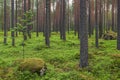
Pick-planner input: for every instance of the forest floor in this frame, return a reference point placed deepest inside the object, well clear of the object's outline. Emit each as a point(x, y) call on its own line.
point(62, 58)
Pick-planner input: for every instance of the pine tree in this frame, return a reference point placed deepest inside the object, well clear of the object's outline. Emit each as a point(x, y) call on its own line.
point(12, 22)
point(5, 26)
point(83, 35)
point(118, 26)
point(96, 24)
point(47, 41)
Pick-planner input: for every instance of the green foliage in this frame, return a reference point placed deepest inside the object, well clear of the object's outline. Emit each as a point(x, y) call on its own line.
point(26, 75)
point(25, 22)
point(33, 65)
point(24, 26)
point(62, 59)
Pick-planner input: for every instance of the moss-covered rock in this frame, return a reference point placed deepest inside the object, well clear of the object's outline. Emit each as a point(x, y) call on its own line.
point(110, 35)
point(33, 65)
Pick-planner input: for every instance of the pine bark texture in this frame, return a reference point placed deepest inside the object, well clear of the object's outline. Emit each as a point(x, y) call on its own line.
point(84, 34)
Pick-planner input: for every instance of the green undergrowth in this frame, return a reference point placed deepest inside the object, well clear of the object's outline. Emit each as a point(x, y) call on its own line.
point(62, 59)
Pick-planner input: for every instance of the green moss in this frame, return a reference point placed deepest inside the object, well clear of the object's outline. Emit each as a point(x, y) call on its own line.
point(32, 64)
point(62, 59)
point(110, 35)
point(6, 73)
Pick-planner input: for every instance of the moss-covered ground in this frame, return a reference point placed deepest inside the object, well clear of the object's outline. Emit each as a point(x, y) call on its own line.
point(62, 59)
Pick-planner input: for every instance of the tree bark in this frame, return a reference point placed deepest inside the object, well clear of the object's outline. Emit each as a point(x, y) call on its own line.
point(118, 26)
point(12, 22)
point(5, 26)
point(96, 24)
point(84, 35)
point(47, 27)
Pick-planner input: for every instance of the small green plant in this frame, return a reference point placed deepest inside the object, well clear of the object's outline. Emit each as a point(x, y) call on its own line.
point(24, 26)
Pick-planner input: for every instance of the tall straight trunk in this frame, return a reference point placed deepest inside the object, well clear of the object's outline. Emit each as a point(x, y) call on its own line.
point(37, 29)
point(28, 4)
point(24, 33)
point(118, 25)
point(71, 18)
point(84, 35)
point(107, 16)
point(44, 16)
point(47, 27)
point(75, 24)
point(63, 20)
point(5, 26)
point(89, 19)
point(16, 20)
point(68, 24)
point(100, 19)
point(60, 23)
point(50, 20)
point(96, 23)
point(92, 5)
point(113, 18)
point(57, 15)
point(52, 16)
point(12, 22)
point(78, 18)
point(104, 19)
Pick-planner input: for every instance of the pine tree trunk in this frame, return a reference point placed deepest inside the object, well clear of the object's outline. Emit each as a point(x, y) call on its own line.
point(47, 41)
point(12, 22)
point(89, 20)
point(63, 20)
point(16, 20)
point(118, 26)
point(84, 35)
point(5, 26)
point(37, 29)
point(96, 24)
point(113, 18)
point(100, 20)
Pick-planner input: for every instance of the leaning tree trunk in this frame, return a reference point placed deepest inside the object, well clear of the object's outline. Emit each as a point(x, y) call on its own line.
point(118, 26)
point(84, 34)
